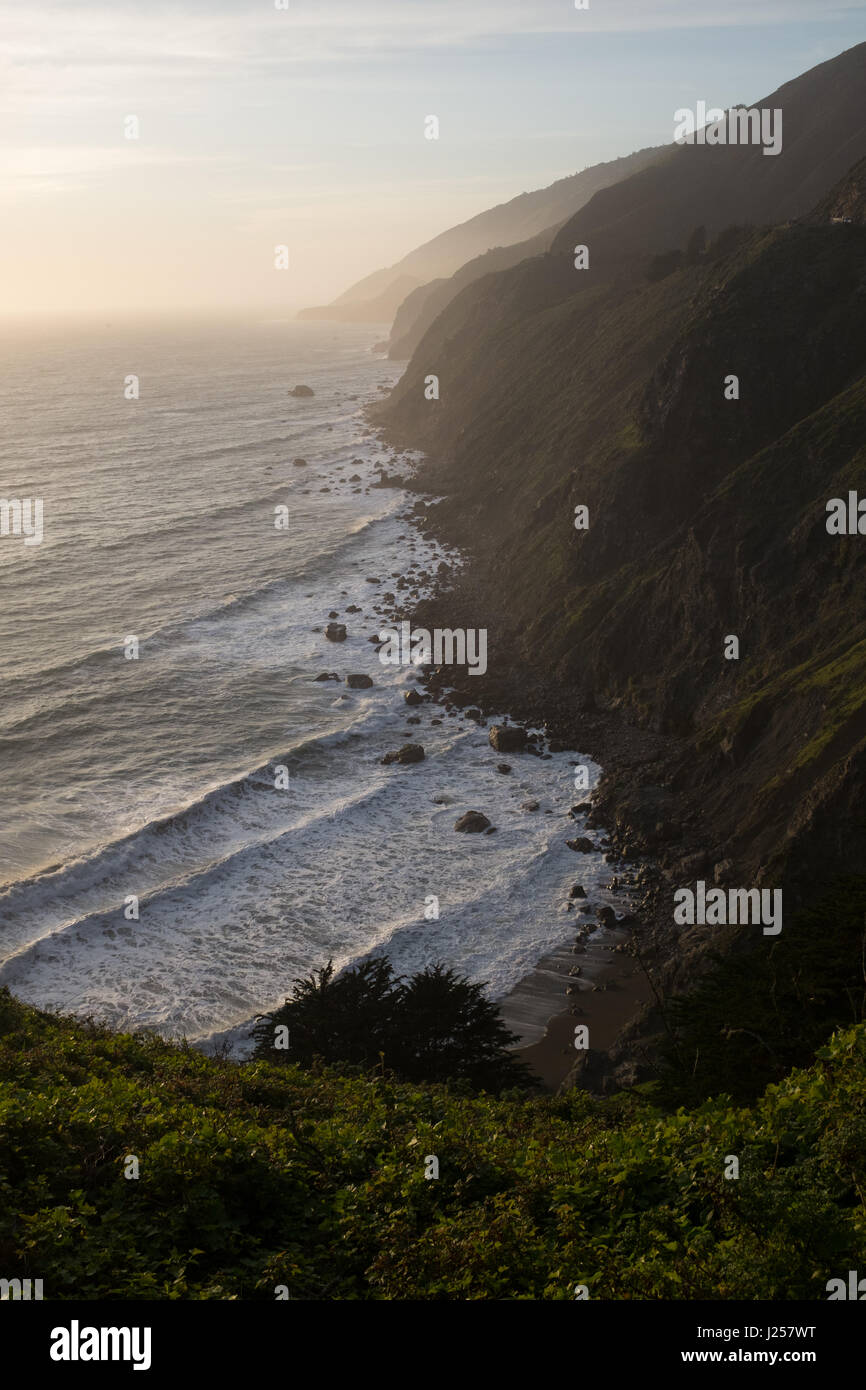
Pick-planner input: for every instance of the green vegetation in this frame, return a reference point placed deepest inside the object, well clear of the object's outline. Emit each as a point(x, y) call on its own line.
point(262, 1175)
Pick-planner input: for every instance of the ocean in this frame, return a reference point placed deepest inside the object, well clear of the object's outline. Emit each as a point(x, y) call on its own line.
point(153, 784)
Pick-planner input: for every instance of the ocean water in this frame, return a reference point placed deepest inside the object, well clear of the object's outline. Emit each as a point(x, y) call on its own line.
point(156, 777)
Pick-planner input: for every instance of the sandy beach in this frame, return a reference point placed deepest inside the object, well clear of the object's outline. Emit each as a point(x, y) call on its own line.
point(607, 994)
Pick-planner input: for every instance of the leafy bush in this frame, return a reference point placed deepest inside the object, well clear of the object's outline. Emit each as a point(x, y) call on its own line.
point(262, 1175)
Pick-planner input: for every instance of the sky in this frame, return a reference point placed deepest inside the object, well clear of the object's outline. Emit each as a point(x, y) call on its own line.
point(304, 126)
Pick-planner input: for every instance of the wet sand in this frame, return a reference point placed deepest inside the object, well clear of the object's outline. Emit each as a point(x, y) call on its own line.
point(608, 992)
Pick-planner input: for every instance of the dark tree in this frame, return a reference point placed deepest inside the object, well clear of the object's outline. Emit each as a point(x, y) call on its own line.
point(447, 1030)
point(342, 1019)
point(438, 1026)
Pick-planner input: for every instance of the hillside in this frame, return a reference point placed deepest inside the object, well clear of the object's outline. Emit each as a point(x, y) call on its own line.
point(606, 388)
point(257, 1177)
point(378, 296)
point(424, 305)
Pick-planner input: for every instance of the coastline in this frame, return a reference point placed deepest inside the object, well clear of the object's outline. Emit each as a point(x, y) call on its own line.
point(610, 992)
point(655, 829)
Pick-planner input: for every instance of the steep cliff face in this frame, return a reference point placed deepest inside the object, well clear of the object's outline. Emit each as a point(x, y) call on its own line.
point(707, 507)
point(424, 305)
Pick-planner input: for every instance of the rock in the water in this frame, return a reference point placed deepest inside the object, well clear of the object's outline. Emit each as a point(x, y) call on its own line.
point(577, 891)
point(299, 463)
point(412, 697)
point(327, 676)
point(503, 767)
point(606, 916)
point(409, 753)
point(581, 846)
point(359, 682)
point(529, 806)
point(302, 391)
point(472, 823)
point(507, 738)
point(336, 632)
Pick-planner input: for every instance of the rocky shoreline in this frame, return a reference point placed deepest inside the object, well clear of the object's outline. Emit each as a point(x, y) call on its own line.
point(657, 837)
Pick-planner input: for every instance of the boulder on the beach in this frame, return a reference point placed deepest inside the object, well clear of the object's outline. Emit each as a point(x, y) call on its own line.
point(302, 391)
point(409, 753)
point(577, 891)
point(336, 632)
point(472, 823)
point(581, 845)
point(606, 916)
point(359, 682)
point(299, 463)
point(507, 738)
point(327, 676)
point(412, 697)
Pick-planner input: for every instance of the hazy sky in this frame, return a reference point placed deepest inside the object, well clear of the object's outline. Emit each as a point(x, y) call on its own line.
point(305, 126)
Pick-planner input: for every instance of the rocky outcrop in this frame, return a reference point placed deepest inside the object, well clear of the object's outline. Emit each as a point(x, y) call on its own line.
point(409, 753)
point(507, 738)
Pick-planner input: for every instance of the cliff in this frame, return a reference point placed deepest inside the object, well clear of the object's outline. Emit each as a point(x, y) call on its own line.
point(707, 516)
